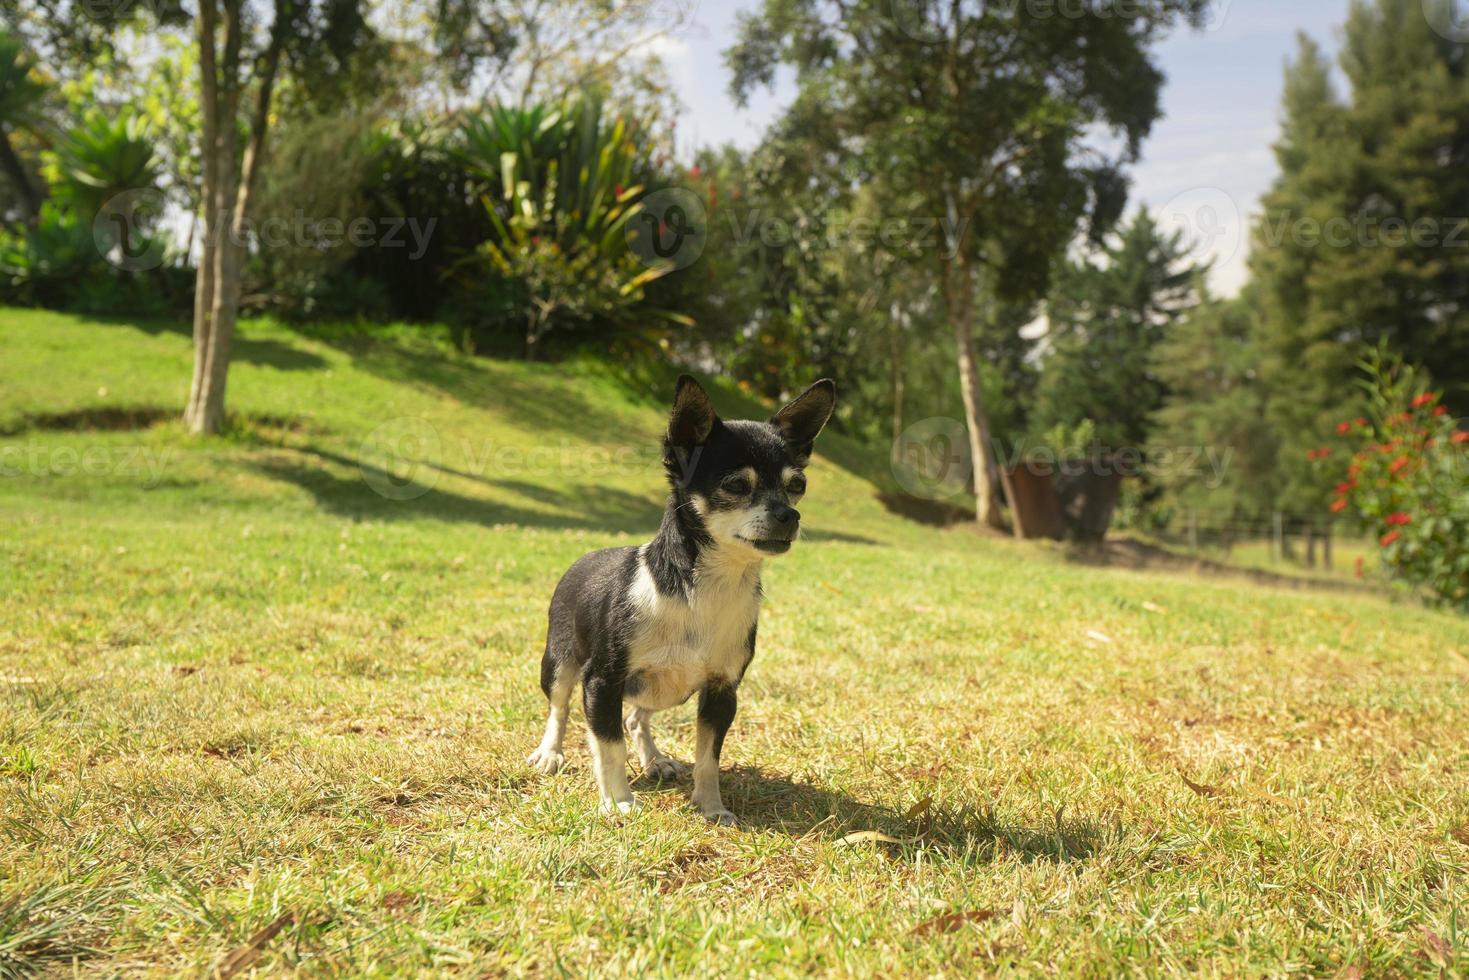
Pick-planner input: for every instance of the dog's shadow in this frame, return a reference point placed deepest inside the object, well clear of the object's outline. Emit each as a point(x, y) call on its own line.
point(769, 802)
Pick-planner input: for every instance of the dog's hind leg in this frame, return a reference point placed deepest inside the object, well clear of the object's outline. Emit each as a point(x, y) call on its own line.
point(558, 679)
point(655, 763)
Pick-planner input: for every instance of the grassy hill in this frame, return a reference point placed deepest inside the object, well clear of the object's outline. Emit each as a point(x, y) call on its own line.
point(288, 678)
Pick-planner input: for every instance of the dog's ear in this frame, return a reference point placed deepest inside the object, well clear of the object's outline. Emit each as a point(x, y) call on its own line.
point(693, 415)
point(802, 420)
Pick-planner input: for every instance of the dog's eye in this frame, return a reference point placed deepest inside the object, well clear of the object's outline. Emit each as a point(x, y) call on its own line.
point(797, 485)
point(738, 486)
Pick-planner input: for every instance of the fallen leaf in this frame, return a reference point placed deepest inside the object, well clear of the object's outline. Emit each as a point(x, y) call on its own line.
point(184, 670)
point(872, 836)
point(247, 954)
point(1460, 834)
point(832, 588)
point(1437, 945)
point(919, 807)
point(1201, 789)
point(1099, 637)
point(395, 901)
point(1352, 972)
point(951, 921)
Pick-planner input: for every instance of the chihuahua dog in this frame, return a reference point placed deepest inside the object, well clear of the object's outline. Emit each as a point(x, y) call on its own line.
point(643, 628)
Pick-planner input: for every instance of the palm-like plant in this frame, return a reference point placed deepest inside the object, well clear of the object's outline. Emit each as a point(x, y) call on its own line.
point(565, 195)
point(100, 159)
point(20, 109)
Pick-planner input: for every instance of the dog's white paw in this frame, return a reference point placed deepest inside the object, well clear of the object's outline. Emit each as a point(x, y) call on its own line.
point(618, 808)
point(548, 761)
point(665, 769)
point(722, 818)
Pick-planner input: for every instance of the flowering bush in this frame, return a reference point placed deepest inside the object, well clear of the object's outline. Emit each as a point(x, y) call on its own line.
point(1408, 481)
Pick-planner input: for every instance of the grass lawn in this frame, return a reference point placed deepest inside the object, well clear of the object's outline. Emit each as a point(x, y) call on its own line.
point(245, 696)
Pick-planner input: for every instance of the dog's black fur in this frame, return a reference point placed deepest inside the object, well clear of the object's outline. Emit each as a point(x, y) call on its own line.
point(646, 627)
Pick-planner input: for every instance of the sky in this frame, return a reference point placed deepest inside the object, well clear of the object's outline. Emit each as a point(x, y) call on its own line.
point(1203, 169)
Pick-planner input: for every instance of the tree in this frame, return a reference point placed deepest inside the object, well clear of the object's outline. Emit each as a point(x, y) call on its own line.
point(984, 114)
point(1362, 237)
point(1108, 312)
point(317, 41)
point(1217, 404)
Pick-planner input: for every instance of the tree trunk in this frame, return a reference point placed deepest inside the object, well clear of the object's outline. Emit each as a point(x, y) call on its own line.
point(217, 306)
point(959, 304)
point(30, 202)
point(898, 366)
point(1310, 544)
point(1326, 546)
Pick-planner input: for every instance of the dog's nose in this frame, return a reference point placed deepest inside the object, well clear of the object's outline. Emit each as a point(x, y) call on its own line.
point(785, 516)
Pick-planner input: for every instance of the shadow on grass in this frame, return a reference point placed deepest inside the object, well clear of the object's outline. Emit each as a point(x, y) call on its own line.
point(767, 801)
point(1132, 554)
point(243, 348)
point(593, 507)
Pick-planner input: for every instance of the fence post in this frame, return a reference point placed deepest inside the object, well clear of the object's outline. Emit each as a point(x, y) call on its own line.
point(1311, 544)
point(1279, 537)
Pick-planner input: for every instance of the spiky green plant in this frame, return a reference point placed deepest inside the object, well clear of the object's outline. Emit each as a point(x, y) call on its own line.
point(101, 158)
point(561, 195)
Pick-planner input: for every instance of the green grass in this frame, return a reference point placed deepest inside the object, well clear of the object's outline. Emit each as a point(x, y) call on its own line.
point(239, 688)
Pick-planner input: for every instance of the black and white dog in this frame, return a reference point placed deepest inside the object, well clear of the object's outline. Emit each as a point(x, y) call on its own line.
point(644, 628)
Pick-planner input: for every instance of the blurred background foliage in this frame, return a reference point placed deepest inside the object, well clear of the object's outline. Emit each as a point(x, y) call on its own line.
point(501, 152)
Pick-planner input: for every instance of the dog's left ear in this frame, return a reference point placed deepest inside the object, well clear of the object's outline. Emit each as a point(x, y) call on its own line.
point(802, 420)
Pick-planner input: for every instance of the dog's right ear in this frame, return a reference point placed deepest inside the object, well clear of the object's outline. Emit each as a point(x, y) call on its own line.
point(693, 415)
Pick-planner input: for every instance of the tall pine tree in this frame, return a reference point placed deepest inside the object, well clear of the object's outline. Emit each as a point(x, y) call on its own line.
point(1363, 236)
point(1107, 313)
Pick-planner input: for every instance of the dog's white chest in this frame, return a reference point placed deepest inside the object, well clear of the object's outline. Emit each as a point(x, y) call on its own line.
point(681, 644)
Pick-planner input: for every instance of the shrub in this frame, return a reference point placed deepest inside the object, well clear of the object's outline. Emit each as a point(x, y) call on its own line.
point(1408, 480)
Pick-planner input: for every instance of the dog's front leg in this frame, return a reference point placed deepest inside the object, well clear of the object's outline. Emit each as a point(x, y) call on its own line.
point(602, 700)
point(717, 706)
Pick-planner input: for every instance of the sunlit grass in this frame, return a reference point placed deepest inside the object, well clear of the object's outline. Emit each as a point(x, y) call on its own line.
point(240, 689)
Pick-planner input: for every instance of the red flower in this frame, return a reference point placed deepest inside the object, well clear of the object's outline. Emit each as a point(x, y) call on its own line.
point(1315, 454)
point(695, 172)
point(1460, 438)
point(1344, 428)
point(1355, 470)
point(1398, 465)
point(1427, 398)
point(617, 190)
point(1339, 505)
point(1359, 564)
point(1399, 519)
point(1390, 538)
point(1361, 423)
point(1440, 410)
point(1342, 489)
